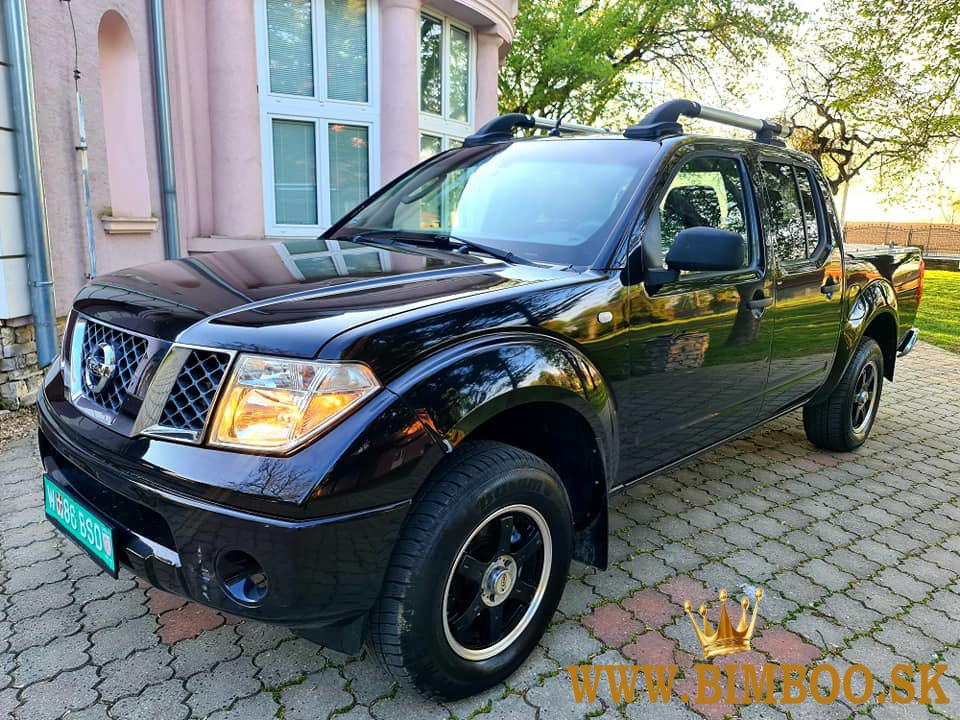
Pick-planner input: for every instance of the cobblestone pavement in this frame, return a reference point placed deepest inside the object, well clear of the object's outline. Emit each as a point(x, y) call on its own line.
point(858, 556)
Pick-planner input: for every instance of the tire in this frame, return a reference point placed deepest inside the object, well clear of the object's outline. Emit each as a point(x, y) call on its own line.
point(843, 421)
point(483, 509)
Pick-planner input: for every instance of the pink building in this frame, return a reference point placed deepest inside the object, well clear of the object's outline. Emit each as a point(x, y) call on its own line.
point(284, 114)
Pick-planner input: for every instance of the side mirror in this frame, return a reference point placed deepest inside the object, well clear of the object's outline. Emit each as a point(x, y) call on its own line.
point(706, 248)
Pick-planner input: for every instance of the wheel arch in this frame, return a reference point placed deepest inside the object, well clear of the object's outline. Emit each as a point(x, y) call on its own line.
point(872, 313)
point(538, 393)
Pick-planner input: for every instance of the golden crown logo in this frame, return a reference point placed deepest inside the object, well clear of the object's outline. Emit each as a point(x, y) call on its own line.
point(726, 639)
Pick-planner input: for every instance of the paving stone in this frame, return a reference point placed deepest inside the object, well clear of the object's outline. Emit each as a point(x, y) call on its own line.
point(49, 700)
point(39, 572)
point(202, 653)
point(910, 642)
point(219, 688)
point(902, 584)
point(367, 681)
point(934, 623)
point(614, 583)
point(256, 707)
point(31, 603)
point(819, 630)
point(577, 598)
point(651, 607)
point(612, 625)
point(165, 700)
point(569, 643)
point(131, 675)
point(41, 629)
point(877, 598)
point(554, 699)
point(825, 574)
point(796, 587)
point(45, 661)
point(319, 695)
point(118, 642)
point(849, 612)
point(111, 611)
point(877, 657)
point(647, 570)
point(408, 703)
point(256, 637)
point(290, 661)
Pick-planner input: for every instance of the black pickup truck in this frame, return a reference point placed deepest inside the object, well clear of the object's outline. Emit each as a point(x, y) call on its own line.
point(401, 432)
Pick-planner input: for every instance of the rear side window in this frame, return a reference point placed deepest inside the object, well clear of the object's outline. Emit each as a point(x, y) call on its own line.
point(786, 210)
point(809, 213)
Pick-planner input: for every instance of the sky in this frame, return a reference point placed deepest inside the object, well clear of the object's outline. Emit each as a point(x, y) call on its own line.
point(863, 204)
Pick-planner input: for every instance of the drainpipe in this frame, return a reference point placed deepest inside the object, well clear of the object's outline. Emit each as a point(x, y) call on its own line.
point(158, 33)
point(39, 274)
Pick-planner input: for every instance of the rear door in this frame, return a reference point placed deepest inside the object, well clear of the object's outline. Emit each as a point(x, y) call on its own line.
point(699, 347)
point(808, 280)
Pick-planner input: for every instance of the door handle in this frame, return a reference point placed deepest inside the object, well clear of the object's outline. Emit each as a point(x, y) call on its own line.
point(760, 303)
point(830, 288)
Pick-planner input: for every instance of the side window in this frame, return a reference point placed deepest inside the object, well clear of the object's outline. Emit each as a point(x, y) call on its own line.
point(809, 210)
point(706, 192)
point(786, 210)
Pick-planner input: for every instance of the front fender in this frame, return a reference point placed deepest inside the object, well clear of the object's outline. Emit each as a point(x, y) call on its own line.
point(864, 305)
point(460, 388)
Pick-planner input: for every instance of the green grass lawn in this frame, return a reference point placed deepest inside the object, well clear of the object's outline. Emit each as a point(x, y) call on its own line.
point(939, 316)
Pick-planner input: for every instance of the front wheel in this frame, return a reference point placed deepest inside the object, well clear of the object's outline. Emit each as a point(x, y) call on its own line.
point(844, 420)
point(477, 572)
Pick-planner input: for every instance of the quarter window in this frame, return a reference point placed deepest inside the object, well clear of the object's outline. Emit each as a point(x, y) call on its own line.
point(446, 59)
point(318, 112)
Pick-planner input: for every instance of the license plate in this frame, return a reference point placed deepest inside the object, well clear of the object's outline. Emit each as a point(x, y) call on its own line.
point(81, 524)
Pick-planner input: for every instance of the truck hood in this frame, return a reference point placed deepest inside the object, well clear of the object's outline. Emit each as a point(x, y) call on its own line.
point(291, 297)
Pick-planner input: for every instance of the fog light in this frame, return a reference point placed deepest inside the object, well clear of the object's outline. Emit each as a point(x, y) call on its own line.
point(242, 577)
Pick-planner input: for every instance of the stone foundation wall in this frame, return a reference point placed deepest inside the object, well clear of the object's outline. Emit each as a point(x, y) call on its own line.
point(20, 376)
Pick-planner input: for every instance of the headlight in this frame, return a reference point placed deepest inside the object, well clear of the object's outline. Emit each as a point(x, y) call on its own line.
point(276, 404)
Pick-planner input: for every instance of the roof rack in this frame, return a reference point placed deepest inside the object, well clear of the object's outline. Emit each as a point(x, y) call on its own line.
point(501, 129)
point(664, 120)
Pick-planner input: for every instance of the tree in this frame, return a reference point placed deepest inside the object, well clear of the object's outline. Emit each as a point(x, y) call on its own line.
point(581, 56)
point(879, 87)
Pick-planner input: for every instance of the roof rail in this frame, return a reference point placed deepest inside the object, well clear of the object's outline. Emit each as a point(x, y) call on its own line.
point(500, 129)
point(664, 120)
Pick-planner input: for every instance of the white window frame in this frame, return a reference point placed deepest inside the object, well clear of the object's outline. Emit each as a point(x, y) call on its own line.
point(441, 125)
point(319, 110)
point(335, 251)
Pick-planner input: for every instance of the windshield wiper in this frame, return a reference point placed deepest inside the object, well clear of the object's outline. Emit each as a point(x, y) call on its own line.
point(442, 242)
point(464, 246)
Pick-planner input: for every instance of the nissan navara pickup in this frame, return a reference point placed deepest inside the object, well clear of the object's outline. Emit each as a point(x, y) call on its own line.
point(401, 433)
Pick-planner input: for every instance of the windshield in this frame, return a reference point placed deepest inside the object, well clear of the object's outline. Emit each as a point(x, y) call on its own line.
point(546, 201)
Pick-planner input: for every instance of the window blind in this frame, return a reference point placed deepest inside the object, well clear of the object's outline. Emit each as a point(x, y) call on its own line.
point(295, 172)
point(346, 24)
point(290, 46)
point(349, 148)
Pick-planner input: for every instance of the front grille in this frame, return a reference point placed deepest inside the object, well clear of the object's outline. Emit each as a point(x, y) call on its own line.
point(192, 395)
point(128, 349)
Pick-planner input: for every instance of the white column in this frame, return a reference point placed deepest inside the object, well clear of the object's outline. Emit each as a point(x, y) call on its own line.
point(399, 93)
point(488, 67)
point(235, 150)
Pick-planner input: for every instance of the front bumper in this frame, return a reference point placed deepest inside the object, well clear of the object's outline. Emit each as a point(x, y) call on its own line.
point(323, 574)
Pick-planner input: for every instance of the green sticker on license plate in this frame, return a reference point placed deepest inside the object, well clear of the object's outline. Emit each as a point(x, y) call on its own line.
point(80, 524)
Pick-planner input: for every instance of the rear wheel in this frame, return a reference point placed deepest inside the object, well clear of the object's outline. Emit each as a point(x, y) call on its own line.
point(843, 421)
point(477, 572)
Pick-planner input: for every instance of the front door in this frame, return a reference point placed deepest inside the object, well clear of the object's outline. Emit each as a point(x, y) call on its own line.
point(809, 283)
point(699, 347)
